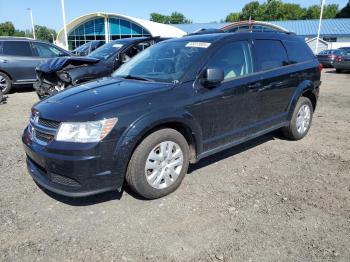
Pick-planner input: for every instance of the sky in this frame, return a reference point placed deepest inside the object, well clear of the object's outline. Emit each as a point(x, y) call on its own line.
point(48, 12)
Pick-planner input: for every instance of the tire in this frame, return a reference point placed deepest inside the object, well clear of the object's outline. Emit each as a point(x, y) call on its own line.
point(5, 83)
point(295, 131)
point(140, 176)
point(338, 70)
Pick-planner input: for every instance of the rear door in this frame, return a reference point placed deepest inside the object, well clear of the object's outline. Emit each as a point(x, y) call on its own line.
point(277, 81)
point(18, 61)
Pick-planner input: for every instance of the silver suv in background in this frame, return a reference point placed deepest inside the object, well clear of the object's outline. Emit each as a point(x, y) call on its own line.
point(19, 58)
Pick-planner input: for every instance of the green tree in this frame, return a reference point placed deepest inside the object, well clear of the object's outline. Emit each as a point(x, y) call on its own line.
point(292, 12)
point(173, 18)
point(233, 17)
point(159, 18)
point(253, 10)
point(7, 29)
point(344, 12)
point(330, 11)
point(277, 10)
point(44, 33)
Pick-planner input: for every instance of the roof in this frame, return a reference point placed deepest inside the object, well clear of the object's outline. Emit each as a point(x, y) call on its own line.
point(155, 29)
point(330, 27)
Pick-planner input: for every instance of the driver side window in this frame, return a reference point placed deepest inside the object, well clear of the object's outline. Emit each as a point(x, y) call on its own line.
point(234, 59)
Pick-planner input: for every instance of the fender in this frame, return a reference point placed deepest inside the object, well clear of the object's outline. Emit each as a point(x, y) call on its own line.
point(135, 132)
point(303, 87)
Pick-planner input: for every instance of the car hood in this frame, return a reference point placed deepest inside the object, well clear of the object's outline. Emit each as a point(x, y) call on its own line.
point(55, 64)
point(84, 102)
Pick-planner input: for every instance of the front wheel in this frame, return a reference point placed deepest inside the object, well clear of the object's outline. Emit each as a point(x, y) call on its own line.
point(338, 70)
point(159, 164)
point(5, 83)
point(301, 120)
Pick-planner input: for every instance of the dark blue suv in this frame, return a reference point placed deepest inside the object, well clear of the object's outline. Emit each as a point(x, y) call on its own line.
point(173, 104)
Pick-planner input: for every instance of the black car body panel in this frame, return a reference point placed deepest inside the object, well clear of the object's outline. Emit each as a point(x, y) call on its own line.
point(20, 56)
point(77, 70)
point(215, 118)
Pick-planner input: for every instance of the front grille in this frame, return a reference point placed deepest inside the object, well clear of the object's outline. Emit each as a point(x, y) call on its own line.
point(48, 123)
point(64, 180)
point(43, 136)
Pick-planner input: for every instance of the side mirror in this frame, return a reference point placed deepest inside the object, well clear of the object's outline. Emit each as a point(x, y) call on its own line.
point(213, 77)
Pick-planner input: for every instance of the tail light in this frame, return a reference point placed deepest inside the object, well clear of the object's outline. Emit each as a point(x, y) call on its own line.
point(320, 67)
point(338, 59)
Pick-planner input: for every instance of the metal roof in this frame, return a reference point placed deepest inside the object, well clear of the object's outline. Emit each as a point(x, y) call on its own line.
point(330, 27)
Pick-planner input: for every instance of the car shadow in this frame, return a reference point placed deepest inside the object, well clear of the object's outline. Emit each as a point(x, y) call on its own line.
point(115, 195)
point(84, 201)
point(235, 150)
point(334, 72)
point(22, 89)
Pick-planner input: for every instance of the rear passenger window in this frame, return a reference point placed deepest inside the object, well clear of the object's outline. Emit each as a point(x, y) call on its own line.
point(270, 54)
point(298, 52)
point(16, 48)
point(234, 59)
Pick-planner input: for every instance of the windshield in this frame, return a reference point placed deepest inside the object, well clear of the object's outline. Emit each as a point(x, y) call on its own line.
point(163, 62)
point(82, 48)
point(106, 51)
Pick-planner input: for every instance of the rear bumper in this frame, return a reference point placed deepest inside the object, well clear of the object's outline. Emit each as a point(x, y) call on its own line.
point(78, 173)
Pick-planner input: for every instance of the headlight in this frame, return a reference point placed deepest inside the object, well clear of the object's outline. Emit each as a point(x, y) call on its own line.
point(85, 132)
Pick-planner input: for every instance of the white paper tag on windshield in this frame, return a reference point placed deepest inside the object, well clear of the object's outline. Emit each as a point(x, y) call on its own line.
point(198, 44)
point(117, 45)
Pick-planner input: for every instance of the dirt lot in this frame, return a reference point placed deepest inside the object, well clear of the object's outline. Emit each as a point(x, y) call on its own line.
point(267, 200)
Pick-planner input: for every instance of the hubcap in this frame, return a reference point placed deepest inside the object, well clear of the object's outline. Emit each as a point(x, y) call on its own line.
point(303, 119)
point(3, 83)
point(164, 164)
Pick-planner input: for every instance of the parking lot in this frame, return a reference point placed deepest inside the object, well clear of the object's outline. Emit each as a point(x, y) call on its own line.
point(266, 200)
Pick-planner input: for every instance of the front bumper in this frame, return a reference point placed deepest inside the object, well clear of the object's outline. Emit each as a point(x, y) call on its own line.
point(73, 170)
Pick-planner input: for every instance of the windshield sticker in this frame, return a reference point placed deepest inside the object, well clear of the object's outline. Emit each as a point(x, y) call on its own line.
point(198, 44)
point(117, 45)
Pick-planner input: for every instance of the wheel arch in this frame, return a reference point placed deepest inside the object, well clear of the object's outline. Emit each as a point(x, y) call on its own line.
point(4, 72)
point(306, 89)
point(141, 128)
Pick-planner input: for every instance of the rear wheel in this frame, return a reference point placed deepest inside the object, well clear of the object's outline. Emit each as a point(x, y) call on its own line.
point(301, 120)
point(5, 83)
point(158, 164)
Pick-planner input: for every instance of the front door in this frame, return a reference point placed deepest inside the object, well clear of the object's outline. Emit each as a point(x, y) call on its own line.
point(229, 111)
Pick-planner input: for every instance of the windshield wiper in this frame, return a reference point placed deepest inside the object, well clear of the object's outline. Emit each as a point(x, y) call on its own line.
point(137, 78)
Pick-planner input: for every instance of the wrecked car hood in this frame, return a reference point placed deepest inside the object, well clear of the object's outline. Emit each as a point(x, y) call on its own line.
point(55, 64)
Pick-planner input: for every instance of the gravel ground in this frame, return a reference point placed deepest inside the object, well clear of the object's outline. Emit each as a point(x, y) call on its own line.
point(266, 200)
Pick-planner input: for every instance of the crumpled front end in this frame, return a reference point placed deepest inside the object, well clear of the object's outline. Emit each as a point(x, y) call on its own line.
point(48, 84)
point(54, 75)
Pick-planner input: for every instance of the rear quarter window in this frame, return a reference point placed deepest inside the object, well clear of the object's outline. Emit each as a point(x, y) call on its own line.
point(270, 54)
point(298, 52)
point(16, 48)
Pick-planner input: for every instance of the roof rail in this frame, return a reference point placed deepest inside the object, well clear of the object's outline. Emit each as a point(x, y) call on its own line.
point(203, 31)
point(16, 37)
